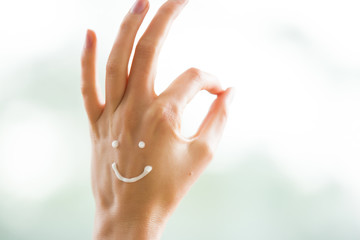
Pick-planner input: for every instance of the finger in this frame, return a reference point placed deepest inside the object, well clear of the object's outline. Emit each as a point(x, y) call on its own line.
point(117, 65)
point(89, 87)
point(142, 74)
point(187, 85)
point(208, 136)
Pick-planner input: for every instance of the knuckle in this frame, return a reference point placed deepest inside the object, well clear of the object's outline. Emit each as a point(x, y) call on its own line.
point(164, 114)
point(126, 26)
point(194, 72)
point(168, 8)
point(195, 75)
point(111, 66)
point(147, 47)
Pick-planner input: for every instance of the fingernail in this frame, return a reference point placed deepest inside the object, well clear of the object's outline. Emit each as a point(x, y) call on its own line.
point(230, 96)
point(88, 40)
point(139, 6)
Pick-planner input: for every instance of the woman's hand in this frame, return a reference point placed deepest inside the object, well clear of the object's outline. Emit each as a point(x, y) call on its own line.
point(132, 113)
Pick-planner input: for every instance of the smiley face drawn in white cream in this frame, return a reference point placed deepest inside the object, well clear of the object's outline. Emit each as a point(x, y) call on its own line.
point(147, 169)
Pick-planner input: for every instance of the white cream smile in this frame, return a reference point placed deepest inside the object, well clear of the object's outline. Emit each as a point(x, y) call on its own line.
point(146, 171)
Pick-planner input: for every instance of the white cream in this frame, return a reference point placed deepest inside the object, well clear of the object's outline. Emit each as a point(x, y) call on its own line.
point(141, 144)
point(147, 170)
point(115, 144)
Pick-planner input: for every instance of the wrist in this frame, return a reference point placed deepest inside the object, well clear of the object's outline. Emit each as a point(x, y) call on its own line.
point(115, 223)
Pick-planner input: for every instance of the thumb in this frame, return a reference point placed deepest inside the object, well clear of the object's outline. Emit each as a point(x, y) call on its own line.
point(211, 129)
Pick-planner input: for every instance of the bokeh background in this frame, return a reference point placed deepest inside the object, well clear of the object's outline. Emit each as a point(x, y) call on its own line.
point(288, 165)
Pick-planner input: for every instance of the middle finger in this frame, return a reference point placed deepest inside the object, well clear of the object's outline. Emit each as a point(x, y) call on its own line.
point(143, 69)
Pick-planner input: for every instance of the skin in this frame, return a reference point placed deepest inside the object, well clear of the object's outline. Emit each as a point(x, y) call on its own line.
point(132, 112)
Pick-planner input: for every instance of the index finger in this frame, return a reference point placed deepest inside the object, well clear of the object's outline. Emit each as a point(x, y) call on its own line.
point(188, 84)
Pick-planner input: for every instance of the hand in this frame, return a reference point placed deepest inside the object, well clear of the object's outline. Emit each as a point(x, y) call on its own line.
point(132, 112)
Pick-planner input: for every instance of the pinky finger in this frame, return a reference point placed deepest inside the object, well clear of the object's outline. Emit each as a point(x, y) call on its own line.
point(89, 88)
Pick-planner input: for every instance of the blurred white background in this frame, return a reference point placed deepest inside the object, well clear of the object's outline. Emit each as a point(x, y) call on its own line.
point(288, 165)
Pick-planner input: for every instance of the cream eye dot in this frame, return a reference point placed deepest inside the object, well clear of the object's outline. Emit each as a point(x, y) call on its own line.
point(141, 144)
point(115, 144)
